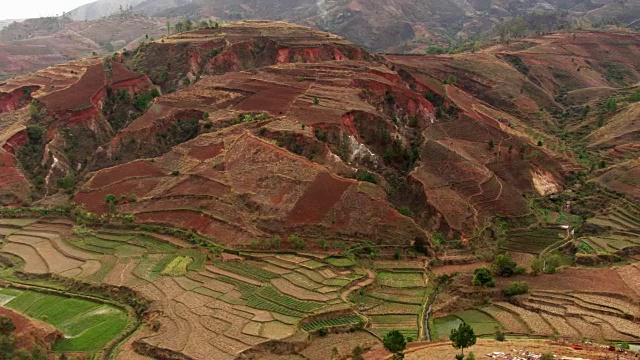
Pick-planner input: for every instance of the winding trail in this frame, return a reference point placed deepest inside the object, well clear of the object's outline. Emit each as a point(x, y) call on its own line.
point(371, 277)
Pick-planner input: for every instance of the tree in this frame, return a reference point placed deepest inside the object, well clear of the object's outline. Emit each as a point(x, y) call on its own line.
point(276, 242)
point(35, 133)
point(547, 356)
point(504, 266)
point(611, 105)
point(483, 277)
point(395, 343)
point(492, 144)
point(6, 325)
point(111, 201)
point(463, 337)
point(537, 266)
point(296, 242)
point(551, 264)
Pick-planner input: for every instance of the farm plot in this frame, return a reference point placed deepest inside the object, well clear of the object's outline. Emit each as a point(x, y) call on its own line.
point(177, 266)
point(222, 308)
point(406, 324)
point(577, 315)
point(88, 326)
point(400, 279)
point(481, 322)
point(351, 320)
point(395, 296)
point(531, 241)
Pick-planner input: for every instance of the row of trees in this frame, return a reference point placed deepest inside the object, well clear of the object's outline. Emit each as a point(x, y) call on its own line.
point(188, 25)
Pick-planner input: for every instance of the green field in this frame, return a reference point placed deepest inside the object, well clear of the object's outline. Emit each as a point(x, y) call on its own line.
point(400, 279)
point(332, 322)
point(88, 326)
point(178, 266)
point(340, 262)
point(481, 323)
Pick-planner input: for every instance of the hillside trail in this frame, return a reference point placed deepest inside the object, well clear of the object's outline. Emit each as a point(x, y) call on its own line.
point(371, 277)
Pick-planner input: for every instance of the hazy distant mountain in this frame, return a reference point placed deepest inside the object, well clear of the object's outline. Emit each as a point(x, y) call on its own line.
point(100, 8)
point(5, 23)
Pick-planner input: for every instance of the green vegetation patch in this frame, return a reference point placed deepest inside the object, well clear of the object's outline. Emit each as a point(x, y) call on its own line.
point(481, 323)
point(246, 270)
point(88, 326)
point(444, 325)
point(532, 241)
point(177, 266)
point(332, 322)
point(312, 264)
point(340, 262)
point(394, 279)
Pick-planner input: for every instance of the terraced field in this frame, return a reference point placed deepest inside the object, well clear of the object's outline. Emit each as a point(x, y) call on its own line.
point(87, 326)
point(394, 301)
point(212, 309)
point(625, 230)
point(532, 241)
point(596, 316)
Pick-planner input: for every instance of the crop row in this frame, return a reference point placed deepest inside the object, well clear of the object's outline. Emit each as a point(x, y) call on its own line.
point(247, 270)
point(269, 293)
point(332, 322)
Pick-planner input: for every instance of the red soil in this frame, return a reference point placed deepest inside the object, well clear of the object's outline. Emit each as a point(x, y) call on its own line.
point(325, 191)
point(196, 185)
point(180, 218)
point(16, 141)
point(139, 168)
point(94, 200)
point(270, 97)
point(31, 333)
point(203, 153)
point(79, 95)
point(13, 100)
point(605, 280)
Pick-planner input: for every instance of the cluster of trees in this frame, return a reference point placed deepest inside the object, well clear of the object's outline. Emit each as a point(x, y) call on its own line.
point(502, 266)
point(188, 25)
point(9, 348)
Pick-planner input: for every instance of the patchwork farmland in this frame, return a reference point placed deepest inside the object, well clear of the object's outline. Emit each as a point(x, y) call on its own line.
point(222, 304)
point(209, 308)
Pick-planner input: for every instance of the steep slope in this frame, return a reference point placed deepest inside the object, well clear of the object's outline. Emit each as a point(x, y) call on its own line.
point(448, 141)
point(358, 119)
point(52, 121)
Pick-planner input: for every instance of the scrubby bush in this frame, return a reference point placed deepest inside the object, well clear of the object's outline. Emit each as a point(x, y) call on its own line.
point(483, 277)
point(500, 336)
point(504, 266)
point(516, 288)
point(296, 242)
point(35, 133)
point(366, 176)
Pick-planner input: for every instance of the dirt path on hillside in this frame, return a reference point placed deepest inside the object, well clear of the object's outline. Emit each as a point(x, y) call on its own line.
point(371, 277)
